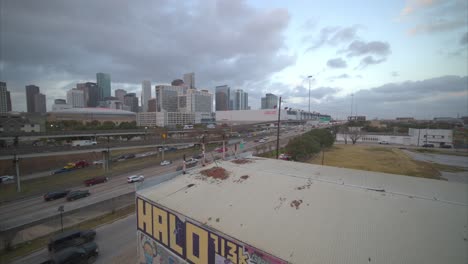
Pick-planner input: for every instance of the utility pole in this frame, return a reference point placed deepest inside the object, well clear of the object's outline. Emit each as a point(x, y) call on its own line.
point(18, 179)
point(309, 77)
point(278, 128)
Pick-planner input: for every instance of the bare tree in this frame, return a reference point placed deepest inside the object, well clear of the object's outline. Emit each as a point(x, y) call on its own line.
point(354, 135)
point(344, 131)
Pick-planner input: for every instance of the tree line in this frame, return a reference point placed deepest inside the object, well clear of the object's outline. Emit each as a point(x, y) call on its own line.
point(304, 147)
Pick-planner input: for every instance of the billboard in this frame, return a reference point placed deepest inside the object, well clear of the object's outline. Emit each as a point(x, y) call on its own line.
point(165, 237)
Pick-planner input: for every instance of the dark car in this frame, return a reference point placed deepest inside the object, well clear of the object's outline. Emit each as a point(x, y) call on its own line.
point(86, 253)
point(197, 156)
point(70, 238)
point(95, 180)
point(61, 170)
point(428, 145)
point(55, 195)
point(446, 146)
point(71, 196)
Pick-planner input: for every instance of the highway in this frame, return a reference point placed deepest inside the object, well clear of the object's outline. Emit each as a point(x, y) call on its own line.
point(19, 212)
point(116, 241)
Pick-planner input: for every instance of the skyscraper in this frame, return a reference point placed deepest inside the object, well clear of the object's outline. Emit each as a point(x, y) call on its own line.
point(222, 97)
point(90, 93)
point(270, 101)
point(145, 94)
point(120, 93)
point(189, 80)
point(5, 100)
point(131, 100)
point(152, 105)
point(240, 100)
point(104, 84)
point(75, 98)
point(245, 106)
point(167, 98)
point(199, 101)
point(40, 103)
point(31, 91)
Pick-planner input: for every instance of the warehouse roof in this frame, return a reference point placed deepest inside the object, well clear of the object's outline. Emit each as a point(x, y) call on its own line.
point(307, 213)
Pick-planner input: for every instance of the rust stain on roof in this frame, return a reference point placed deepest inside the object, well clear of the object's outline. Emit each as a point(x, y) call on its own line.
point(296, 203)
point(216, 173)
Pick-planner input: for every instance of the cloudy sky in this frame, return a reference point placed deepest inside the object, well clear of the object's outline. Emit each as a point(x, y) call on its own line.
point(392, 58)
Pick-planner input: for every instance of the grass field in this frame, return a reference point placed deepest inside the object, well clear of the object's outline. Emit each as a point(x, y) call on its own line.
point(36, 244)
point(380, 159)
point(76, 178)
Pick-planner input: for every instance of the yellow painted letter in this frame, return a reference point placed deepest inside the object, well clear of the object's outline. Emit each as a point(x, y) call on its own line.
point(144, 216)
point(160, 225)
point(232, 254)
point(202, 249)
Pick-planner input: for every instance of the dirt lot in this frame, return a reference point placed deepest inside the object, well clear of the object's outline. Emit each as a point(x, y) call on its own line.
point(380, 159)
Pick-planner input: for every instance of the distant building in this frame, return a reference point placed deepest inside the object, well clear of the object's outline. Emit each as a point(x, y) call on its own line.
point(268, 115)
point(146, 119)
point(31, 91)
point(356, 118)
point(5, 99)
point(405, 119)
point(145, 94)
point(85, 115)
point(76, 98)
point(172, 119)
point(198, 101)
point(167, 98)
point(240, 100)
point(450, 120)
point(152, 105)
point(103, 81)
point(40, 103)
point(270, 101)
point(222, 98)
point(113, 103)
point(189, 80)
point(177, 82)
point(91, 93)
point(120, 93)
point(60, 104)
point(21, 122)
point(131, 100)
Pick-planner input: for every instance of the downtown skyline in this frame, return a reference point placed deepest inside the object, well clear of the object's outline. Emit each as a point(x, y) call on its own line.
point(404, 58)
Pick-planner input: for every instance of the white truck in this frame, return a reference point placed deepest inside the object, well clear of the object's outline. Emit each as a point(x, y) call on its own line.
point(81, 143)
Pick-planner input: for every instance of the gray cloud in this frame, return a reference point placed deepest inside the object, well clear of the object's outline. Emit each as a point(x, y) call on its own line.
point(442, 96)
point(59, 43)
point(436, 16)
point(369, 60)
point(336, 63)
point(341, 76)
point(334, 36)
point(464, 39)
point(358, 48)
point(316, 93)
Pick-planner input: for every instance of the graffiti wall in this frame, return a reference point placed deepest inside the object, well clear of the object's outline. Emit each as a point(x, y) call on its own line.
point(165, 237)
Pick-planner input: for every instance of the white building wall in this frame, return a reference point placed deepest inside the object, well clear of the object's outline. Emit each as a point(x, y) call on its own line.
point(146, 119)
point(57, 107)
point(75, 98)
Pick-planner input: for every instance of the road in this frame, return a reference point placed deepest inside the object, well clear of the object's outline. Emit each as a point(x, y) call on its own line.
point(20, 212)
point(116, 241)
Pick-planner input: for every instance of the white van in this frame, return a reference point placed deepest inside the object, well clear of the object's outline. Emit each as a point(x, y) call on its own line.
point(188, 127)
point(80, 143)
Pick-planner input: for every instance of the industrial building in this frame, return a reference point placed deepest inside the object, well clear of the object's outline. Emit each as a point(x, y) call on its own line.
point(267, 115)
point(272, 211)
point(415, 137)
point(92, 114)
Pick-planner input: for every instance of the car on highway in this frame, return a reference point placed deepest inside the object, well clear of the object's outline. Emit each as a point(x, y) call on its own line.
point(428, 145)
point(220, 149)
point(74, 195)
point(85, 253)
point(446, 146)
point(81, 164)
point(69, 165)
point(284, 156)
point(262, 141)
point(7, 178)
point(61, 170)
point(197, 156)
point(95, 180)
point(55, 195)
point(135, 178)
point(384, 142)
point(98, 162)
point(70, 238)
point(165, 162)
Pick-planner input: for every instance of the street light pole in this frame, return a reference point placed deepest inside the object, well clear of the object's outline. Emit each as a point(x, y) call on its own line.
point(309, 77)
point(278, 129)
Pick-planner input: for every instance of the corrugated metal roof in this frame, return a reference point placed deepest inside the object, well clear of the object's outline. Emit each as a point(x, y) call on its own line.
point(344, 216)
